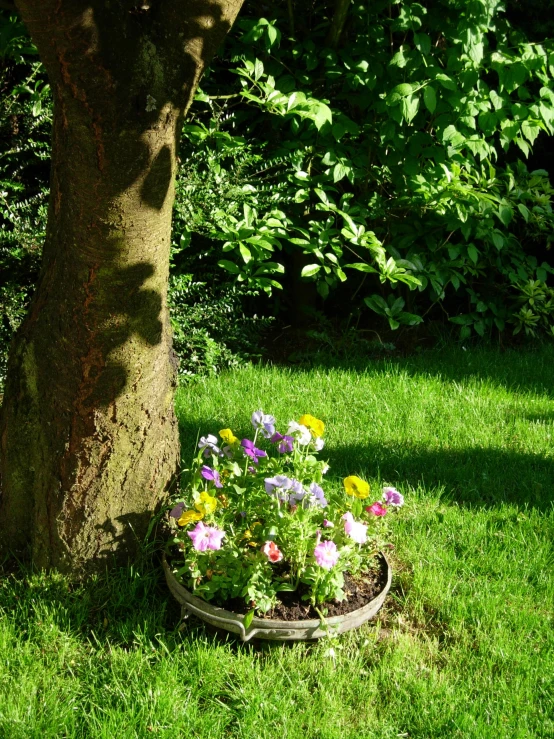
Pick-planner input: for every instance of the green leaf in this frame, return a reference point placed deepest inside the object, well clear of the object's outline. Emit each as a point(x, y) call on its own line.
point(430, 98)
point(423, 43)
point(310, 269)
point(398, 93)
point(361, 267)
point(248, 618)
point(258, 69)
point(446, 81)
point(229, 266)
point(497, 239)
point(340, 171)
point(323, 115)
point(409, 106)
point(340, 274)
point(473, 253)
point(245, 252)
point(505, 213)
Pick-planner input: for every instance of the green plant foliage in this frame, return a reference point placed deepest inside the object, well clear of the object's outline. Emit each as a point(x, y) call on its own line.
point(396, 155)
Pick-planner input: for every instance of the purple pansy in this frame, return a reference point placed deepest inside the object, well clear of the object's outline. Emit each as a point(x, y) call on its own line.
point(264, 422)
point(206, 537)
point(278, 486)
point(251, 451)
point(285, 442)
point(176, 512)
point(317, 492)
point(393, 497)
point(213, 475)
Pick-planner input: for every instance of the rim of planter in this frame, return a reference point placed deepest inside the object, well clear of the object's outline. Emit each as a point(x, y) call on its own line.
point(273, 629)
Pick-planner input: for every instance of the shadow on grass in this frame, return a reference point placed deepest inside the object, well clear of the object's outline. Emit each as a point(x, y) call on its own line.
point(527, 370)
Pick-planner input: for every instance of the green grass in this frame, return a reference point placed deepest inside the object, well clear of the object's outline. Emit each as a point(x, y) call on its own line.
point(465, 645)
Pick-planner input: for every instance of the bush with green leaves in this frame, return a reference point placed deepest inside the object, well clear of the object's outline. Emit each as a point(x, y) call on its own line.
point(393, 136)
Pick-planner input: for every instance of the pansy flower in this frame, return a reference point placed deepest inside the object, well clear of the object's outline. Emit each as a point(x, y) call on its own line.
point(251, 451)
point(212, 475)
point(312, 423)
point(300, 433)
point(228, 437)
point(285, 442)
point(392, 497)
point(356, 486)
point(209, 445)
point(264, 422)
point(206, 504)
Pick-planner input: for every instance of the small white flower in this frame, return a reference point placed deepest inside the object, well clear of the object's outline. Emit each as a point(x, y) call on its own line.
point(319, 444)
point(300, 433)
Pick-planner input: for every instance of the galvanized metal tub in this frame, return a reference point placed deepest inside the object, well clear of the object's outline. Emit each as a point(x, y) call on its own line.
point(275, 630)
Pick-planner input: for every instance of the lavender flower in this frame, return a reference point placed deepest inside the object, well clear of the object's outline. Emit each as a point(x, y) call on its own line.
point(317, 492)
point(393, 497)
point(326, 554)
point(285, 442)
point(251, 451)
point(209, 445)
point(264, 422)
point(206, 537)
point(278, 486)
point(213, 475)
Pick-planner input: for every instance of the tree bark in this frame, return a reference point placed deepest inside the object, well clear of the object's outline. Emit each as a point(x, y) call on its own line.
point(88, 436)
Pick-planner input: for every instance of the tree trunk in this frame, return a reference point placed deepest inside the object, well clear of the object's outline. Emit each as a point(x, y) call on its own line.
point(89, 438)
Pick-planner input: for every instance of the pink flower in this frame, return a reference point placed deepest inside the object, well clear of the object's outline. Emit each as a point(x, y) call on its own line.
point(272, 551)
point(326, 554)
point(391, 496)
point(354, 529)
point(327, 524)
point(206, 537)
point(377, 509)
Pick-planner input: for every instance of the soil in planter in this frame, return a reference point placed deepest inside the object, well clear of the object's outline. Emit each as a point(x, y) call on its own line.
point(290, 607)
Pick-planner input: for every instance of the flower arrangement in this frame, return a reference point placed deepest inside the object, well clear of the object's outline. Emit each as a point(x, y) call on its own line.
point(256, 522)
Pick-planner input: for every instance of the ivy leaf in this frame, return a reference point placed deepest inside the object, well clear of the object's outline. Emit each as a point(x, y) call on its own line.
point(430, 98)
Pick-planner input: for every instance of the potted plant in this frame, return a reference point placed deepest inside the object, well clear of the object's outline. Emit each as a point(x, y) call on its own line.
point(258, 547)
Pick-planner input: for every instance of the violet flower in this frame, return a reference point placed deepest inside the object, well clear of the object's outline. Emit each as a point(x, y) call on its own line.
point(285, 442)
point(209, 445)
point(176, 512)
point(213, 475)
point(326, 554)
point(354, 529)
point(392, 497)
point(206, 537)
point(278, 486)
point(317, 492)
point(251, 451)
point(264, 422)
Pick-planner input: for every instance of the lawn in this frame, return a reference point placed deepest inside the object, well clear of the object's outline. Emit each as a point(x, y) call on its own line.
point(465, 644)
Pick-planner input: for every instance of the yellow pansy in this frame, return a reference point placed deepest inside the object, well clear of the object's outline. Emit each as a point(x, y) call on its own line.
point(228, 436)
point(316, 426)
point(189, 517)
point(356, 487)
point(206, 504)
